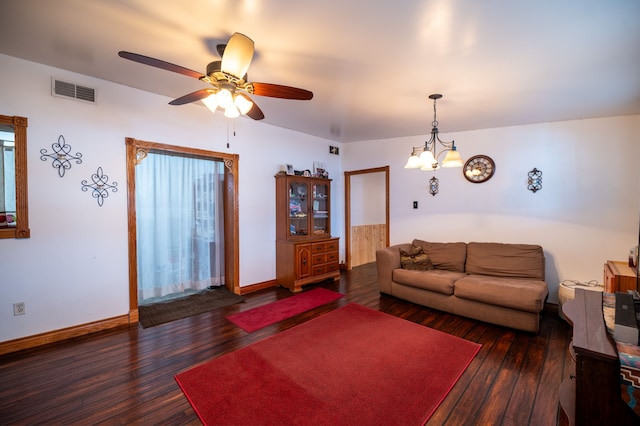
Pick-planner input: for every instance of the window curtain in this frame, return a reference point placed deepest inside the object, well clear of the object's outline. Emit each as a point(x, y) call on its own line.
point(180, 237)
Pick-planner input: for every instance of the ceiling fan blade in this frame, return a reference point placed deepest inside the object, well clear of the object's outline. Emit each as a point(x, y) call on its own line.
point(278, 91)
point(237, 55)
point(159, 64)
point(255, 112)
point(192, 97)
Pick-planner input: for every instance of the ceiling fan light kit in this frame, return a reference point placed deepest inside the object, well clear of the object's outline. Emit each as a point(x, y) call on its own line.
point(243, 103)
point(426, 157)
point(228, 77)
point(224, 97)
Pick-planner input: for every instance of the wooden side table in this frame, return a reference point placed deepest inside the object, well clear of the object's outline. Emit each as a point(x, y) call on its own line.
point(618, 276)
point(591, 395)
point(566, 292)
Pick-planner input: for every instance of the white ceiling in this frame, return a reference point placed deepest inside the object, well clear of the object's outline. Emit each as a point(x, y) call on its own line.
point(370, 63)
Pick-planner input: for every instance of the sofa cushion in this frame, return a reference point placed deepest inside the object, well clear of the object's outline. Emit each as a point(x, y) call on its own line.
point(505, 260)
point(415, 259)
point(515, 293)
point(447, 256)
point(436, 280)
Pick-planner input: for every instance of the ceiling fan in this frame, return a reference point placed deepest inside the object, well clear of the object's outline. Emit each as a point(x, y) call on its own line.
point(230, 86)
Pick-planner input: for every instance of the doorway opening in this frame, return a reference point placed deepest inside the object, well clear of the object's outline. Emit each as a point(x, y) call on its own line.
point(366, 214)
point(207, 263)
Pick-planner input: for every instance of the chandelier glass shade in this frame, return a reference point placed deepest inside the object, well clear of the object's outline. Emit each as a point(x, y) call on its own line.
point(426, 157)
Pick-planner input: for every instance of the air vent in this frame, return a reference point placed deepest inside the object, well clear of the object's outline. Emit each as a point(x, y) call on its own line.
point(74, 91)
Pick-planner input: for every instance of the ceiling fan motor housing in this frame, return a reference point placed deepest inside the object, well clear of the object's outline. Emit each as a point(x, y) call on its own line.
point(214, 67)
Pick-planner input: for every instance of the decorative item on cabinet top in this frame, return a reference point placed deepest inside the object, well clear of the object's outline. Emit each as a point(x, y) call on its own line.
point(320, 170)
point(289, 169)
point(318, 173)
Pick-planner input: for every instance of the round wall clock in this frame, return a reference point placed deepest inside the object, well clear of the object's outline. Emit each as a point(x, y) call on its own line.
point(479, 168)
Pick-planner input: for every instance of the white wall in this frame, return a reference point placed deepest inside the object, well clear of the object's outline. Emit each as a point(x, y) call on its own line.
point(368, 199)
point(73, 269)
point(586, 212)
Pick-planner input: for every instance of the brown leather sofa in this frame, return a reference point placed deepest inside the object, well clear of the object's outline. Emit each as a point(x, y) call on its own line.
point(499, 283)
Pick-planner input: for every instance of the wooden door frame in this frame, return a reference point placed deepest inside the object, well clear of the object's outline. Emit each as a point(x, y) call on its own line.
point(347, 206)
point(136, 151)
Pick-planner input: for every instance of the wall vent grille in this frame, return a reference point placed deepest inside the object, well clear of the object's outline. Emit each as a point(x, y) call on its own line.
point(74, 91)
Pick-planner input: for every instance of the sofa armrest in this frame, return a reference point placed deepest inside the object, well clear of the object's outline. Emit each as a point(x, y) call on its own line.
point(388, 259)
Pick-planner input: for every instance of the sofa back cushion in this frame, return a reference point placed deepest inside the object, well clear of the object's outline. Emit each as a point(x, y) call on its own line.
point(505, 260)
point(447, 256)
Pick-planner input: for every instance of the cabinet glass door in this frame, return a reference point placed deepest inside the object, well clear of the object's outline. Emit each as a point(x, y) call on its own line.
point(298, 208)
point(320, 208)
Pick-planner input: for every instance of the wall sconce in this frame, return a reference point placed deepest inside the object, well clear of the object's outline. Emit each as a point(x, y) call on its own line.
point(534, 182)
point(434, 186)
point(60, 157)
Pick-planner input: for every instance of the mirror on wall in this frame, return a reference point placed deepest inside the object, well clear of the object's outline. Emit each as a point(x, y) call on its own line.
point(14, 215)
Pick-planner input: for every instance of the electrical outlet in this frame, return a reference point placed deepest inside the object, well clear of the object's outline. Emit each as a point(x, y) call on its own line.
point(415, 204)
point(19, 308)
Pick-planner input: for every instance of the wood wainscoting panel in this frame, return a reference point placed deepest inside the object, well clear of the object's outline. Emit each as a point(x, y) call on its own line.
point(365, 240)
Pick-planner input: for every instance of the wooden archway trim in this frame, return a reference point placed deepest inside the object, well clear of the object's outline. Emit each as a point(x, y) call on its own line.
point(231, 223)
point(347, 215)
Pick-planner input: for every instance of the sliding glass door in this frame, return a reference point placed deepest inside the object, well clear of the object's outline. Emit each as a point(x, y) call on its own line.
point(179, 223)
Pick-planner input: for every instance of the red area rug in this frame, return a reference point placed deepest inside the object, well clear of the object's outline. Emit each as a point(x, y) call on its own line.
point(260, 317)
point(352, 366)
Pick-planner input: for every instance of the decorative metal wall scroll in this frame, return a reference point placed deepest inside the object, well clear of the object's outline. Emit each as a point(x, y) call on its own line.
point(535, 180)
point(433, 186)
point(60, 157)
point(99, 186)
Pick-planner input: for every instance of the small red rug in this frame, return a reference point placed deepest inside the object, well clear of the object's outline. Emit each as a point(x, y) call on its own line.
point(262, 316)
point(352, 366)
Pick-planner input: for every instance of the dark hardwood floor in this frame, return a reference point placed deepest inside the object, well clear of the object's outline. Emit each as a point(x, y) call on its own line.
point(126, 376)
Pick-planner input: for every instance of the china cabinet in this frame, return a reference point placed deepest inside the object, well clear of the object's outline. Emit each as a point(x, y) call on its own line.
point(305, 250)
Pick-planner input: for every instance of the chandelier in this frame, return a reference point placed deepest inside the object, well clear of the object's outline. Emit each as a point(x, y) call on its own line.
point(426, 157)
